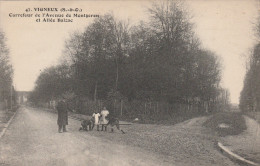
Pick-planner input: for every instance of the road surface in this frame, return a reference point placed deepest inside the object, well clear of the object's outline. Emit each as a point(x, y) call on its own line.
point(32, 139)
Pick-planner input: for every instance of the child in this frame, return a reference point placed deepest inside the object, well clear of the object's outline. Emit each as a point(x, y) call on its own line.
point(103, 120)
point(96, 116)
point(87, 124)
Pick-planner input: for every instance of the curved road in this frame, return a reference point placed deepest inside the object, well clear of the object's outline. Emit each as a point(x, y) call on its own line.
point(32, 139)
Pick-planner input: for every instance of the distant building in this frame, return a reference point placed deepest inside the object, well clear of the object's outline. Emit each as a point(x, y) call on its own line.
point(234, 107)
point(22, 96)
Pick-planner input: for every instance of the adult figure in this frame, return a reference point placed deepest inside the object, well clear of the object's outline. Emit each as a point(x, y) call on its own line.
point(62, 115)
point(103, 120)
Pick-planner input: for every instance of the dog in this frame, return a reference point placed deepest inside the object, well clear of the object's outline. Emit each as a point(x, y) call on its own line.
point(85, 124)
point(112, 121)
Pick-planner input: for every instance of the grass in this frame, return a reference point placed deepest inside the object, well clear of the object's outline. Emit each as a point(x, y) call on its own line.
point(253, 115)
point(5, 116)
point(234, 120)
point(166, 119)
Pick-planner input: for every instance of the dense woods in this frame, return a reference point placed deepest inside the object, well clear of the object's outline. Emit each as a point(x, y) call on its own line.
point(155, 67)
point(6, 74)
point(250, 94)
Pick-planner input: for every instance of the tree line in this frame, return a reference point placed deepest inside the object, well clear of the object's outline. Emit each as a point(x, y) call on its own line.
point(6, 75)
point(156, 61)
point(250, 94)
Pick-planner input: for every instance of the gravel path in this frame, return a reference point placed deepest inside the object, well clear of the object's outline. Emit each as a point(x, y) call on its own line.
point(186, 143)
point(32, 139)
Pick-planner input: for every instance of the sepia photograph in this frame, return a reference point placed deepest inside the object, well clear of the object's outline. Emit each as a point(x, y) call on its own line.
point(130, 83)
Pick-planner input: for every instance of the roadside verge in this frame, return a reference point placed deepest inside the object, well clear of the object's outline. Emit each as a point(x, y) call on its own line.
point(238, 136)
point(234, 156)
point(7, 124)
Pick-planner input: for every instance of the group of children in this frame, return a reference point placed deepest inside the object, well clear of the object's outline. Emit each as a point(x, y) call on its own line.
point(100, 119)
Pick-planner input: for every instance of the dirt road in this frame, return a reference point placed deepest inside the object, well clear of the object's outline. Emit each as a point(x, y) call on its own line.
point(32, 139)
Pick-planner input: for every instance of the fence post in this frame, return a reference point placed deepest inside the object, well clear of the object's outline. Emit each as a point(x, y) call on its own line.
point(121, 107)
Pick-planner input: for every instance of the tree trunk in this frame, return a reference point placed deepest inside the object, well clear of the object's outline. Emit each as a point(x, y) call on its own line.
point(157, 110)
point(116, 74)
point(95, 93)
point(115, 106)
point(145, 108)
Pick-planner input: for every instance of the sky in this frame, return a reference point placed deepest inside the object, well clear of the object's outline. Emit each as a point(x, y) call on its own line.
point(224, 27)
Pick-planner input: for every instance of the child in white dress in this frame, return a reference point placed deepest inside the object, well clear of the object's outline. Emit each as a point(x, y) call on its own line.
point(103, 120)
point(96, 116)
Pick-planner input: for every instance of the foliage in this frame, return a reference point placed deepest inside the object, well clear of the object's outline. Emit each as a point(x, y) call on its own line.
point(250, 94)
point(52, 83)
point(6, 70)
point(234, 120)
point(156, 61)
